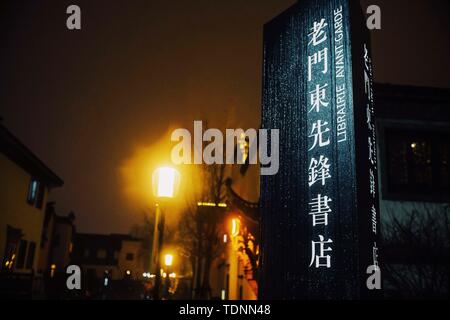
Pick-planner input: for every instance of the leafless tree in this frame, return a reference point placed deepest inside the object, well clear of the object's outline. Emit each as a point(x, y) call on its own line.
point(247, 245)
point(144, 231)
point(199, 229)
point(416, 247)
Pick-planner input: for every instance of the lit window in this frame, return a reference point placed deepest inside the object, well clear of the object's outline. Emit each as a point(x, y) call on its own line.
point(417, 164)
point(13, 236)
point(32, 191)
point(36, 193)
point(52, 270)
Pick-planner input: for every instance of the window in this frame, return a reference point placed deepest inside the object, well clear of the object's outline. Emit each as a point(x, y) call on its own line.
point(30, 255)
point(21, 255)
point(418, 164)
point(13, 236)
point(32, 191)
point(36, 192)
point(130, 256)
point(52, 270)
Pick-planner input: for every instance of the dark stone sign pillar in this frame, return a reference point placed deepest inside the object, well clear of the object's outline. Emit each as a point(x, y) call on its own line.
point(320, 213)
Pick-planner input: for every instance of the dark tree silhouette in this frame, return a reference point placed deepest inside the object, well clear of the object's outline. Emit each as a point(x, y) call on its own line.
point(144, 231)
point(416, 250)
point(199, 229)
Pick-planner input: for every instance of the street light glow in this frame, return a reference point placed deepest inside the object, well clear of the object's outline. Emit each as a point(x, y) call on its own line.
point(234, 227)
point(165, 182)
point(211, 204)
point(168, 259)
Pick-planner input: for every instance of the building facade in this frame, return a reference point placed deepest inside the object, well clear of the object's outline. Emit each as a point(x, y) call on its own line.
point(234, 273)
point(413, 126)
point(107, 258)
point(25, 182)
point(55, 250)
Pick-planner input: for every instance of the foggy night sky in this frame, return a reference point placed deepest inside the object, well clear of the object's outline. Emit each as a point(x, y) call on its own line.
point(84, 100)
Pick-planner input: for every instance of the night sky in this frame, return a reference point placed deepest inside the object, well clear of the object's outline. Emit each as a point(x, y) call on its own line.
point(92, 104)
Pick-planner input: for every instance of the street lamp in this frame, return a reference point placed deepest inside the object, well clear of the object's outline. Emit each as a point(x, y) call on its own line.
point(166, 183)
point(235, 227)
point(168, 260)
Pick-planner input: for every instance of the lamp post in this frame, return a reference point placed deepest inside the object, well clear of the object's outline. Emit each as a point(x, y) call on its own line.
point(168, 262)
point(166, 182)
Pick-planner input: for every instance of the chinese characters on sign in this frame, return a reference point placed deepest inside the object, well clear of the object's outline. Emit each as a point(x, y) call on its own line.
point(320, 214)
point(320, 84)
point(372, 152)
point(320, 166)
